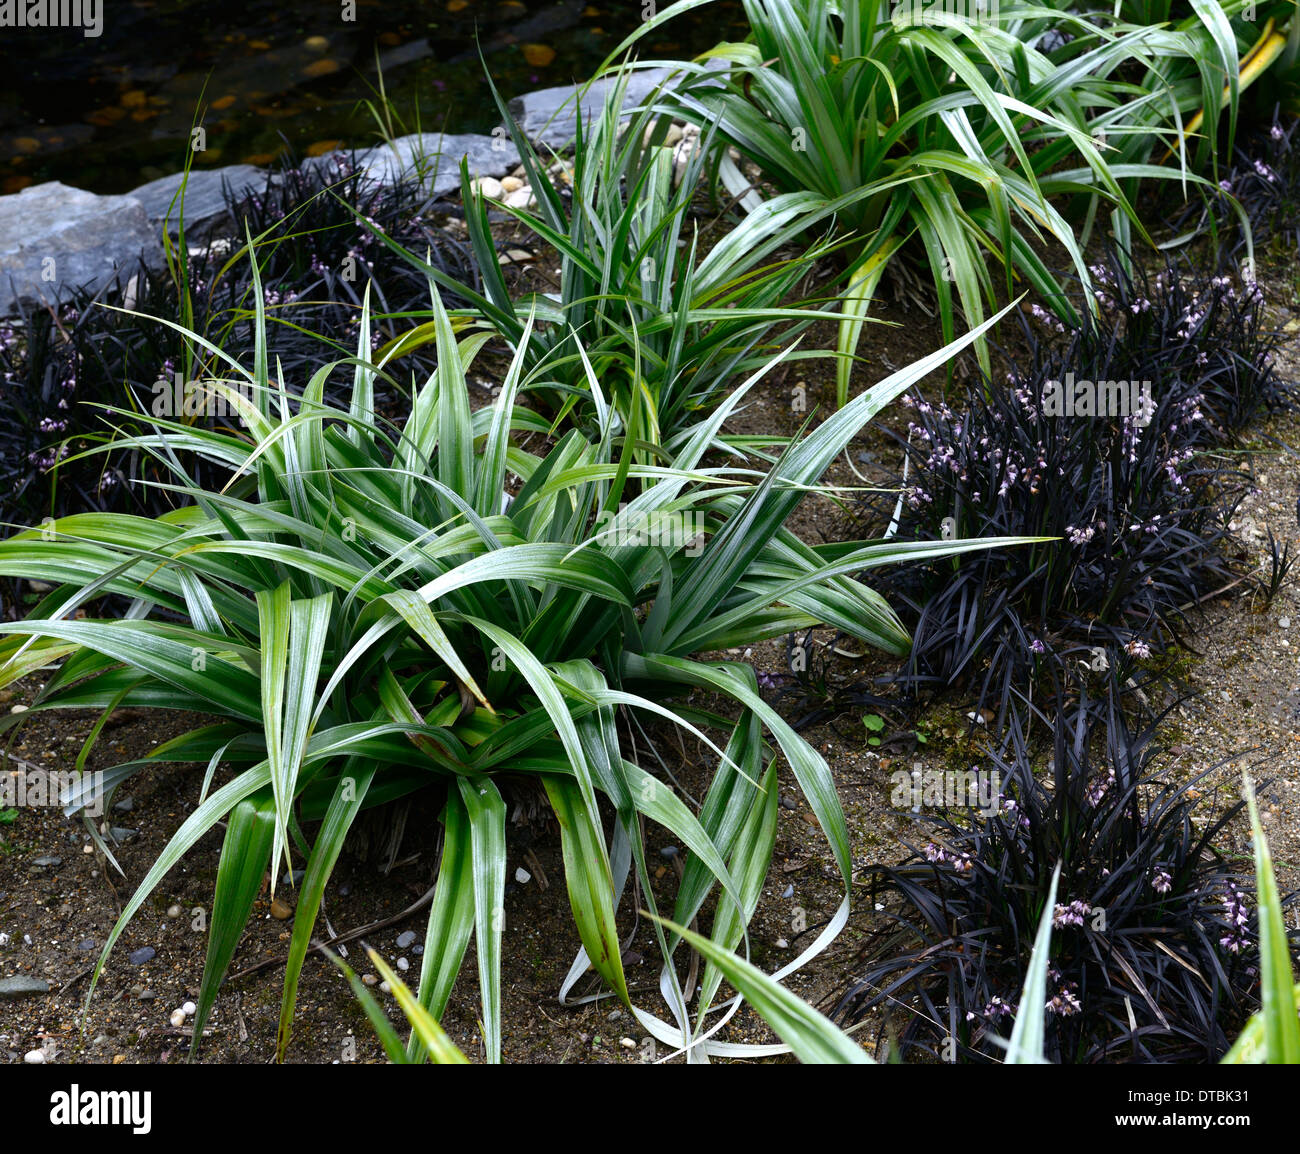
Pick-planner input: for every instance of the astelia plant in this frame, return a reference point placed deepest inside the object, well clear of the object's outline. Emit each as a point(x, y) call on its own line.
point(966, 135)
point(370, 609)
point(666, 327)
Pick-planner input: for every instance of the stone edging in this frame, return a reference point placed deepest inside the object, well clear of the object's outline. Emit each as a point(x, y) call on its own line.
point(54, 238)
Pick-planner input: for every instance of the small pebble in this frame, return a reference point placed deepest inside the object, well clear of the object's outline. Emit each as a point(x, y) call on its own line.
point(403, 964)
point(627, 1043)
point(368, 979)
point(522, 876)
point(281, 910)
point(142, 955)
point(385, 988)
point(669, 851)
point(189, 1008)
point(404, 939)
point(177, 1018)
point(86, 944)
point(1284, 622)
point(23, 709)
point(126, 805)
point(782, 944)
point(48, 860)
point(788, 892)
point(34, 1057)
point(174, 911)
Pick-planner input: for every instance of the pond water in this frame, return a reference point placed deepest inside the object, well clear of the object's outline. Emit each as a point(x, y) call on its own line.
point(111, 111)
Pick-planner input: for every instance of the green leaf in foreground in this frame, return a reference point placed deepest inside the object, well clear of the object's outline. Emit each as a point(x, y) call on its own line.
point(1273, 1035)
point(811, 1036)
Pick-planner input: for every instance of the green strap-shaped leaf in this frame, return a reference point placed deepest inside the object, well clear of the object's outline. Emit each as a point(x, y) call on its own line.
point(590, 889)
point(1278, 1009)
point(245, 853)
point(433, 1038)
point(811, 1036)
point(487, 823)
point(349, 793)
point(451, 917)
point(1027, 1047)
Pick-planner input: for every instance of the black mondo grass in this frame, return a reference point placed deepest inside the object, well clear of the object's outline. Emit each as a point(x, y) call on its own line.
point(1153, 951)
point(1137, 499)
point(314, 231)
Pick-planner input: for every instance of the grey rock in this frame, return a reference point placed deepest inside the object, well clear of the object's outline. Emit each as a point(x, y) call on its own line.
point(47, 860)
point(23, 987)
point(126, 805)
point(437, 158)
point(405, 939)
point(86, 944)
point(54, 238)
point(142, 955)
point(669, 851)
point(206, 210)
point(550, 115)
point(292, 879)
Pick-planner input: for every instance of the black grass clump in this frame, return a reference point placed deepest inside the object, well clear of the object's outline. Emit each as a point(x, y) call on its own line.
point(1154, 949)
point(1136, 503)
point(313, 228)
point(1264, 182)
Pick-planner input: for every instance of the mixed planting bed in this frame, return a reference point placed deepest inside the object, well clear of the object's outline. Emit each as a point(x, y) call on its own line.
point(1096, 611)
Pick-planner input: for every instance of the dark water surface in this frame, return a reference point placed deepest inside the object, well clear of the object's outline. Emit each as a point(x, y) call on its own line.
point(112, 111)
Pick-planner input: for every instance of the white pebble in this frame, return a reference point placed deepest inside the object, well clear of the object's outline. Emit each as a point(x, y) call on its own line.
point(1284, 622)
point(177, 1018)
point(189, 1008)
point(403, 964)
point(20, 709)
point(34, 1057)
point(385, 987)
point(627, 1043)
point(522, 876)
point(488, 186)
